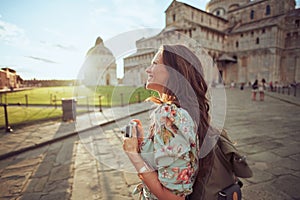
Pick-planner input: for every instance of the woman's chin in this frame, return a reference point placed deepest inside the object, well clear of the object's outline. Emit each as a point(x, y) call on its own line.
point(148, 86)
point(154, 87)
point(151, 86)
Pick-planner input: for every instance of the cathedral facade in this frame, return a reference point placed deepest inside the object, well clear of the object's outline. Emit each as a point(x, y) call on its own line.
point(246, 40)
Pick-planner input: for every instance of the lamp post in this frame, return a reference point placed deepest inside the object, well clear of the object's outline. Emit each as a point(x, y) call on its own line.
point(7, 127)
point(122, 103)
point(100, 103)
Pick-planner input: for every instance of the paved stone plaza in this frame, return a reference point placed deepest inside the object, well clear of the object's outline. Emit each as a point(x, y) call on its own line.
point(86, 166)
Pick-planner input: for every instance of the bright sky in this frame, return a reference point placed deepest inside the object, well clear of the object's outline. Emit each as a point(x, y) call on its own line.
point(49, 39)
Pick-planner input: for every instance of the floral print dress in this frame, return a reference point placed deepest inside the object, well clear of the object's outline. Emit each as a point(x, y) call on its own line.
point(171, 148)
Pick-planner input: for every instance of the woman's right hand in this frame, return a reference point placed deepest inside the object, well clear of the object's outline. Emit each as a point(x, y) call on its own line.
point(140, 131)
point(133, 144)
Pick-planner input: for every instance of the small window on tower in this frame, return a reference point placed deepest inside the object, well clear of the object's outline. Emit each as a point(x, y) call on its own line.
point(297, 22)
point(252, 14)
point(268, 10)
point(257, 40)
point(174, 18)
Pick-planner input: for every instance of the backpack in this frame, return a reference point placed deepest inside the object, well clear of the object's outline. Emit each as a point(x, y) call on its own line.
point(254, 86)
point(221, 180)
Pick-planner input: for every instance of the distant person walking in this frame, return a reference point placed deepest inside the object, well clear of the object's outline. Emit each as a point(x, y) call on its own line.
point(232, 84)
point(242, 86)
point(271, 86)
point(254, 90)
point(261, 89)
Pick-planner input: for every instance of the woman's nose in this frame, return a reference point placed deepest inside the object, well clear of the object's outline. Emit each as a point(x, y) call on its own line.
point(148, 69)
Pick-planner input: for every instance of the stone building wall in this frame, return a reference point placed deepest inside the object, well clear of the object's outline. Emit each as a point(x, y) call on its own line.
point(259, 10)
point(9, 78)
point(291, 54)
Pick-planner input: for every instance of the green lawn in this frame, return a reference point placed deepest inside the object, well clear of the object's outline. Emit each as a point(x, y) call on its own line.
point(110, 95)
point(17, 115)
point(44, 96)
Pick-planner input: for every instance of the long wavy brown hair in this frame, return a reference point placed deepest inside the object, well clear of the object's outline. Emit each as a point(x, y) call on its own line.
point(187, 88)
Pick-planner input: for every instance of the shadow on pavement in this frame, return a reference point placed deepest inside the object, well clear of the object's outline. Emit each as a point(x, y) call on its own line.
point(47, 172)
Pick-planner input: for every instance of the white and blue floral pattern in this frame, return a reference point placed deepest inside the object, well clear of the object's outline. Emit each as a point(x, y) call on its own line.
point(172, 148)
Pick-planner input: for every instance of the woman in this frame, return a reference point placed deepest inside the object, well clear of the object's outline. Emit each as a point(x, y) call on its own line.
point(261, 89)
point(254, 89)
point(167, 158)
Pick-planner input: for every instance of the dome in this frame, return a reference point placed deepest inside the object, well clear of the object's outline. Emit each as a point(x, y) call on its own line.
point(221, 7)
point(99, 48)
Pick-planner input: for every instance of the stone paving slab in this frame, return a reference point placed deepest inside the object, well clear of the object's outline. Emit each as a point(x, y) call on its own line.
point(86, 182)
